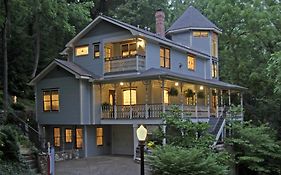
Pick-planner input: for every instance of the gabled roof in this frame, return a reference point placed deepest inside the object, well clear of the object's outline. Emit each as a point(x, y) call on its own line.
point(192, 19)
point(156, 73)
point(135, 31)
point(73, 68)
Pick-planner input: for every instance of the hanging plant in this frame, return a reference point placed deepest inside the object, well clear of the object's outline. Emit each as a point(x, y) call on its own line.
point(188, 93)
point(200, 94)
point(214, 93)
point(173, 92)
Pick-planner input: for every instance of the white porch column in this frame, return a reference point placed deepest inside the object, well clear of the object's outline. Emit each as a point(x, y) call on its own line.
point(208, 101)
point(163, 110)
point(217, 102)
point(115, 101)
point(196, 106)
point(131, 110)
point(85, 141)
point(221, 99)
point(181, 99)
point(229, 98)
point(146, 99)
point(136, 142)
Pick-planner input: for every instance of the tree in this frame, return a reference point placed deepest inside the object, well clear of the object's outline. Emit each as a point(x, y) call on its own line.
point(255, 149)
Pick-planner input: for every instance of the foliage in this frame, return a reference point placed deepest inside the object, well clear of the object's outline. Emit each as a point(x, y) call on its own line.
point(18, 106)
point(9, 146)
point(274, 71)
point(173, 91)
point(170, 160)
point(188, 150)
point(15, 168)
point(188, 93)
point(255, 149)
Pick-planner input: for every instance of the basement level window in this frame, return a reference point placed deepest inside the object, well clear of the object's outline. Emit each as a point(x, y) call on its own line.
point(200, 34)
point(81, 50)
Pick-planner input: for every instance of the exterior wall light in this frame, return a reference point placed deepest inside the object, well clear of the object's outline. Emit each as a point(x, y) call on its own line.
point(176, 83)
point(201, 88)
point(121, 83)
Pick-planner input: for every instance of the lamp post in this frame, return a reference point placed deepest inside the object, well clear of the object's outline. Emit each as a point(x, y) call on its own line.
point(141, 134)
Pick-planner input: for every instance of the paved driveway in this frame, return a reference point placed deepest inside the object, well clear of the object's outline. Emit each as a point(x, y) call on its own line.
point(99, 165)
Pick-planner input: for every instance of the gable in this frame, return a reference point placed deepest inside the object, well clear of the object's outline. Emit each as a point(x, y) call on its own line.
point(58, 72)
point(105, 28)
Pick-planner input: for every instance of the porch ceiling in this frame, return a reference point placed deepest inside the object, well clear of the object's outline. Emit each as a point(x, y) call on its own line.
point(154, 73)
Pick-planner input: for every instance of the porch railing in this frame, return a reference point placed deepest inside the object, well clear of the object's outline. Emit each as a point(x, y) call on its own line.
point(150, 111)
point(120, 64)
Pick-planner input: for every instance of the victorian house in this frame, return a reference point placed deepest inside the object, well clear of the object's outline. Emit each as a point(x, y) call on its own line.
point(118, 76)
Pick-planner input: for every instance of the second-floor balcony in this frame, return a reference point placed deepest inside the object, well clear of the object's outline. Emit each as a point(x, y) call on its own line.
point(124, 56)
point(124, 64)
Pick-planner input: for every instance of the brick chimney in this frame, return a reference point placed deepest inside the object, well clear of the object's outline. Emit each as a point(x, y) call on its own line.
point(160, 19)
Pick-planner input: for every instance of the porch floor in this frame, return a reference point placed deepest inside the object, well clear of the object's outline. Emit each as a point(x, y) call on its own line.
point(99, 165)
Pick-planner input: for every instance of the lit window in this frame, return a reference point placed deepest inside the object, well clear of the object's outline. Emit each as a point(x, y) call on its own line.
point(191, 62)
point(57, 137)
point(79, 138)
point(50, 100)
point(129, 97)
point(129, 49)
point(96, 50)
point(166, 96)
point(68, 135)
point(99, 136)
point(214, 45)
point(200, 34)
point(81, 50)
point(214, 69)
point(164, 57)
point(107, 52)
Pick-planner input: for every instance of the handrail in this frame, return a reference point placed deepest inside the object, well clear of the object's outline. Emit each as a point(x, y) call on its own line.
point(123, 57)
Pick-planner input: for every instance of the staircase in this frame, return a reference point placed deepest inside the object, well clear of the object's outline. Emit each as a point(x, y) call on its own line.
point(216, 127)
point(30, 159)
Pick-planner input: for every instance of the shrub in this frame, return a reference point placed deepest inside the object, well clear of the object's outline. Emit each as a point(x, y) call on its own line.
point(9, 167)
point(9, 146)
point(18, 106)
point(171, 160)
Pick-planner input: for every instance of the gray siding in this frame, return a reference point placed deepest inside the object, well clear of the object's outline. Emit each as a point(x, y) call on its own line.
point(102, 33)
point(202, 44)
point(183, 38)
point(122, 140)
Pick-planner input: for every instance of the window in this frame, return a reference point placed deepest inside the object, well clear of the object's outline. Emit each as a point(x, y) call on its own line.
point(79, 138)
point(166, 96)
point(129, 97)
point(191, 62)
point(111, 97)
point(164, 57)
point(107, 52)
point(96, 50)
point(200, 33)
point(68, 135)
point(57, 137)
point(99, 136)
point(214, 45)
point(214, 69)
point(50, 100)
point(81, 50)
point(129, 49)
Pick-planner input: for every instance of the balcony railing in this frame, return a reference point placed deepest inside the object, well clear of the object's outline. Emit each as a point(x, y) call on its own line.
point(150, 111)
point(120, 64)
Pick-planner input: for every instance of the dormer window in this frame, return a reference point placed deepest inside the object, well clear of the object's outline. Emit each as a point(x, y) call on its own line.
point(200, 33)
point(165, 57)
point(191, 62)
point(96, 50)
point(81, 50)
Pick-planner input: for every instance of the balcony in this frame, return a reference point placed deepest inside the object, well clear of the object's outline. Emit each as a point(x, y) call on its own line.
point(124, 64)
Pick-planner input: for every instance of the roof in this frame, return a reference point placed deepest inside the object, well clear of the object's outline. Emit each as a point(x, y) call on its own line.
point(135, 31)
point(71, 67)
point(192, 19)
point(153, 73)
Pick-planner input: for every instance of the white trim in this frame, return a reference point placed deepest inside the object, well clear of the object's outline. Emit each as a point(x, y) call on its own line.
point(81, 99)
point(194, 28)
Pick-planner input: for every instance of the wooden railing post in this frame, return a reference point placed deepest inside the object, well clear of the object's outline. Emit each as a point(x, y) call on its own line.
point(137, 62)
point(131, 112)
point(146, 111)
point(115, 112)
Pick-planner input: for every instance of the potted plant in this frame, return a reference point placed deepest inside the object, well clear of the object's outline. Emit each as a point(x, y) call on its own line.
point(188, 93)
point(173, 92)
point(201, 94)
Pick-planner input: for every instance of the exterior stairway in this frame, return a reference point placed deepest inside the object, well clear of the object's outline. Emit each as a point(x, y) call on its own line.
point(30, 159)
point(216, 128)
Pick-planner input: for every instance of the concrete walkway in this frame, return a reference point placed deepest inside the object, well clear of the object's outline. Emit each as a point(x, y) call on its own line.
point(99, 165)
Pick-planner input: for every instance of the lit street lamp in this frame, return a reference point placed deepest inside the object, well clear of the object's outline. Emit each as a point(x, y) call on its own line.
point(141, 134)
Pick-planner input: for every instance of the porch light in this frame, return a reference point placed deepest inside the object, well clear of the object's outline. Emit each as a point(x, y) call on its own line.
point(176, 83)
point(121, 83)
point(140, 43)
point(201, 88)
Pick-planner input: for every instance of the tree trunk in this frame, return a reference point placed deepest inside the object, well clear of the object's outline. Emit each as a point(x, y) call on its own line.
point(37, 44)
point(5, 55)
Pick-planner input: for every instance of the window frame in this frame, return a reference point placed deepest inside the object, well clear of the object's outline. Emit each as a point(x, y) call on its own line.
point(132, 89)
point(81, 46)
point(214, 69)
point(99, 136)
point(200, 34)
point(57, 137)
point(96, 45)
point(194, 62)
point(76, 146)
point(164, 58)
point(129, 50)
point(65, 135)
point(51, 100)
point(214, 45)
